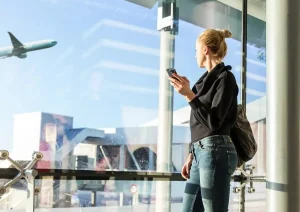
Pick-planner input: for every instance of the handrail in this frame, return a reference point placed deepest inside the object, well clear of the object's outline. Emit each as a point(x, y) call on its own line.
point(9, 173)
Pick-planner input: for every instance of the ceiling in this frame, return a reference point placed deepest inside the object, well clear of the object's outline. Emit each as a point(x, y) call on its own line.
point(222, 14)
point(256, 8)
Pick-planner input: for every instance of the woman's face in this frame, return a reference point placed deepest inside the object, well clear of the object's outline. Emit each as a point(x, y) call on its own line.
point(201, 50)
point(201, 54)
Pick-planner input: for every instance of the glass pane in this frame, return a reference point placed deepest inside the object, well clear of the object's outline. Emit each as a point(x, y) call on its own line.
point(196, 17)
point(81, 195)
point(81, 96)
point(15, 197)
point(256, 98)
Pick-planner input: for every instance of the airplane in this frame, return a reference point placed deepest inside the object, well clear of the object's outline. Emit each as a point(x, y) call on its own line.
point(20, 50)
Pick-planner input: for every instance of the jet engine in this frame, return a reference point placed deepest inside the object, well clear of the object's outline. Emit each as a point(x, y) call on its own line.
point(22, 56)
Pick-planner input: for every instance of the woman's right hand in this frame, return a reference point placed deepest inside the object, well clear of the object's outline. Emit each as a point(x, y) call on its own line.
point(185, 171)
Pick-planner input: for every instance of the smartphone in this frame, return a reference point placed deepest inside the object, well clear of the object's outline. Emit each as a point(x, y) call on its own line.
point(171, 71)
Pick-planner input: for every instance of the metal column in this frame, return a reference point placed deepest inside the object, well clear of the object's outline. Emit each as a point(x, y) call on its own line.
point(244, 54)
point(243, 87)
point(283, 86)
point(165, 24)
point(165, 124)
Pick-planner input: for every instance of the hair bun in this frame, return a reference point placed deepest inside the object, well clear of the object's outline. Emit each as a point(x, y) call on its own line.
point(225, 33)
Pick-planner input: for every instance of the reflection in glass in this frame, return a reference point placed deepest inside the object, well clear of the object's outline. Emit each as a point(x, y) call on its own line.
point(102, 77)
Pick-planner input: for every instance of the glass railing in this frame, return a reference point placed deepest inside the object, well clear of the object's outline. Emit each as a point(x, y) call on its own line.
point(81, 190)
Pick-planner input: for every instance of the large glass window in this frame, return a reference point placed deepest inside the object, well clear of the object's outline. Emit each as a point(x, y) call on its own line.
point(81, 83)
point(90, 79)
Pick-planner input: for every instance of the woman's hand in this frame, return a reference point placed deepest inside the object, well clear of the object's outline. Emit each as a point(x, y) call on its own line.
point(182, 85)
point(185, 171)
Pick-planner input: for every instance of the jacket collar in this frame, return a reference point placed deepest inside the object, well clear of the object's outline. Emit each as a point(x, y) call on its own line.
point(209, 77)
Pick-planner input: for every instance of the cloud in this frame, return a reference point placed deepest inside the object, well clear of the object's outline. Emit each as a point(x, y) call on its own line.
point(99, 5)
point(137, 89)
point(256, 62)
point(121, 46)
point(126, 68)
point(251, 75)
point(120, 25)
point(255, 92)
point(252, 61)
point(256, 77)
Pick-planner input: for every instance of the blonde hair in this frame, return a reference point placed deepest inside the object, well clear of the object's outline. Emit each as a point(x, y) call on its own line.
point(214, 39)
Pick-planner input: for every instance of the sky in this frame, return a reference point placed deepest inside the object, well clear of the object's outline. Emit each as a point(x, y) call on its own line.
point(104, 70)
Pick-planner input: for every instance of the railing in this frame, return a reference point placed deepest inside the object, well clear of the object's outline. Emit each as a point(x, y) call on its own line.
point(31, 175)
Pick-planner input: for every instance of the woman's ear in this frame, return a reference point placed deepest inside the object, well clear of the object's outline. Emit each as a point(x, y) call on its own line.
point(206, 50)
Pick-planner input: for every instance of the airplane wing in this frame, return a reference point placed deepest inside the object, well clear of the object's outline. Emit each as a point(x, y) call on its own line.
point(15, 42)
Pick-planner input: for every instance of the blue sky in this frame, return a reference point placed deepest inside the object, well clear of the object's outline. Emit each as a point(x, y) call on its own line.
point(104, 69)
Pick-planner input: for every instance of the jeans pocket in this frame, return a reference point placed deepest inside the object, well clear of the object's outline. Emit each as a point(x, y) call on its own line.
point(209, 147)
point(232, 161)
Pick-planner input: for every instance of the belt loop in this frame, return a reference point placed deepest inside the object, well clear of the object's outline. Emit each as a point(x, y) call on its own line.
point(200, 144)
point(193, 152)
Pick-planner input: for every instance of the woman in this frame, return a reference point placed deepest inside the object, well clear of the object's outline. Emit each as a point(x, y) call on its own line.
point(213, 100)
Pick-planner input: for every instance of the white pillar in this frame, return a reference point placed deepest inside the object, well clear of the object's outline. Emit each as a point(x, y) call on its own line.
point(166, 14)
point(283, 90)
point(165, 124)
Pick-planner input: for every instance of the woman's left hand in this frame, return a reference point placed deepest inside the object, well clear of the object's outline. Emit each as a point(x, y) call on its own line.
point(181, 84)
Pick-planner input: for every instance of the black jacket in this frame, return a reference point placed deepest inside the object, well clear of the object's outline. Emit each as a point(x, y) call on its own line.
point(214, 109)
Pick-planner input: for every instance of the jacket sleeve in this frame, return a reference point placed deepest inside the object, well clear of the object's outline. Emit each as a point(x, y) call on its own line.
point(213, 117)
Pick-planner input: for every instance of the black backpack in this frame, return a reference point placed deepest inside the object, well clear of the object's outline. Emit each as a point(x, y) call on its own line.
point(242, 137)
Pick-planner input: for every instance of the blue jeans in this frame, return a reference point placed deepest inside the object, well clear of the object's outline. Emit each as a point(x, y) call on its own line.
point(208, 188)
